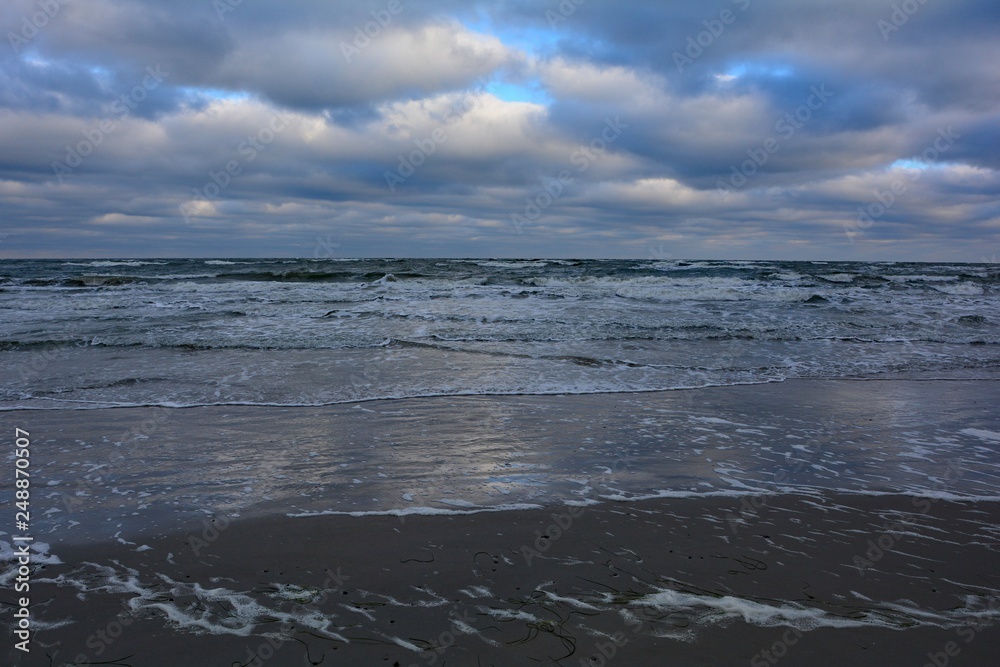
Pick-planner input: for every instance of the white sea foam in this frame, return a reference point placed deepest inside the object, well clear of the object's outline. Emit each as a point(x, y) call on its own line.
point(10, 554)
point(190, 606)
point(960, 289)
point(110, 263)
point(919, 278)
point(666, 493)
point(983, 434)
point(496, 264)
point(477, 592)
point(714, 420)
point(716, 609)
point(421, 511)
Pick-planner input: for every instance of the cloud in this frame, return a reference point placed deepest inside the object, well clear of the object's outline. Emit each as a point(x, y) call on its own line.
point(427, 128)
point(323, 68)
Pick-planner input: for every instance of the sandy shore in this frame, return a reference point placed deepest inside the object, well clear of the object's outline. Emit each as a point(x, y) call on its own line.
point(712, 581)
point(157, 568)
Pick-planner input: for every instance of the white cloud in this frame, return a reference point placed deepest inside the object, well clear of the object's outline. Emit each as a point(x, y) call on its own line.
point(323, 67)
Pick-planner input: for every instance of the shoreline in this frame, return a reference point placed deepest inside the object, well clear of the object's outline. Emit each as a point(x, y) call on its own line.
point(954, 375)
point(141, 468)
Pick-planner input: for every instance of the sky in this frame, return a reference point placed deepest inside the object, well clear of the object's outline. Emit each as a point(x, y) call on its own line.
point(726, 129)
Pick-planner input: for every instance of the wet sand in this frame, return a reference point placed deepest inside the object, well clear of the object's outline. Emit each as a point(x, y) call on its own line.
point(765, 580)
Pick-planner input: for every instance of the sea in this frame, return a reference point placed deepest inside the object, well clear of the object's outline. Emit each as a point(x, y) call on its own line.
point(78, 335)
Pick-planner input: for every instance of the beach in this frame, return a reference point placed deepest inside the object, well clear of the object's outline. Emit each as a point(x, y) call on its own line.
point(660, 582)
point(417, 556)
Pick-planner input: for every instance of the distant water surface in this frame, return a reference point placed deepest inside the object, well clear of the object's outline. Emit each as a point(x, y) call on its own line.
point(193, 332)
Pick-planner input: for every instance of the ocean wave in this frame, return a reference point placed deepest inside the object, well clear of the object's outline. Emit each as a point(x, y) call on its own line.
point(497, 264)
point(110, 263)
point(422, 511)
point(304, 276)
point(668, 288)
point(837, 277)
point(960, 289)
point(54, 403)
point(54, 344)
point(101, 281)
point(919, 278)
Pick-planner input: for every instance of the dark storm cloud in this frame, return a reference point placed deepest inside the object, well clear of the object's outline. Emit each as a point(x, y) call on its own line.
point(727, 128)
